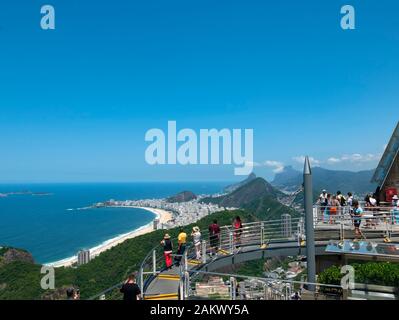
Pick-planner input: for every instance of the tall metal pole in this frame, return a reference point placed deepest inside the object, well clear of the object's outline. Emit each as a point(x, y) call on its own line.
point(310, 244)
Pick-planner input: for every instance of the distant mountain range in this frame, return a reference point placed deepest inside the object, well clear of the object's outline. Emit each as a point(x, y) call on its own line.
point(256, 196)
point(289, 180)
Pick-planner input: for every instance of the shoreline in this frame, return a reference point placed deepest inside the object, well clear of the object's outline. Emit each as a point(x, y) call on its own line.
point(163, 216)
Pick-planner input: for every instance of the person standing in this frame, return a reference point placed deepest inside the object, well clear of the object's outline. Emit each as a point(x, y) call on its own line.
point(323, 201)
point(334, 208)
point(167, 250)
point(349, 200)
point(237, 225)
point(130, 289)
point(395, 213)
point(395, 200)
point(214, 233)
point(181, 241)
point(196, 234)
point(357, 213)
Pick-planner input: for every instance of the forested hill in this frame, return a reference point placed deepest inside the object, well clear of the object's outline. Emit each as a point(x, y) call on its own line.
point(21, 279)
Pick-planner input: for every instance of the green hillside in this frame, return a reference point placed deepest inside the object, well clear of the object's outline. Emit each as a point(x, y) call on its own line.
point(21, 280)
point(258, 197)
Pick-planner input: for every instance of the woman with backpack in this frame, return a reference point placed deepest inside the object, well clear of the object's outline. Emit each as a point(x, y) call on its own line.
point(167, 251)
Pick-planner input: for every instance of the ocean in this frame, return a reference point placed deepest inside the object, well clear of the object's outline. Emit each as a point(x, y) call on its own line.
point(43, 225)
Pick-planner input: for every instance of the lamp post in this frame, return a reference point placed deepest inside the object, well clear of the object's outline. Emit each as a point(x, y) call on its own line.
point(310, 243)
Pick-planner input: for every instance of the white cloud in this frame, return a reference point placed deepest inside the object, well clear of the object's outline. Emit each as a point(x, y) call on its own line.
point(354, 158)
point(277, 165)
point(333, 160)
point(313, 162)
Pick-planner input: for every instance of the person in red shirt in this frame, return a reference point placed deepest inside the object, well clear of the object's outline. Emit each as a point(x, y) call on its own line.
point(214, 234)
point(237, 225)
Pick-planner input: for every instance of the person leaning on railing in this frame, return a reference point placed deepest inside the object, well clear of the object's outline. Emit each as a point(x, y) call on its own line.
point(196, 234)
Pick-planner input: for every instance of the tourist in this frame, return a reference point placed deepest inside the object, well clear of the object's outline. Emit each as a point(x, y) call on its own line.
point(296, 296)
point(214, 233)
point(395, 200)
point(323, 201)
point(357, 212)
point(77, 294)
point(237, 225)
point(395, 214)
point(70, 293)
point(370, 203)
point(341, 198)
point(181, 241)
point(196, 234)
point(334, 205)
point(328, 203)
point(130, 289)
point(349, 200)
point(167, 250)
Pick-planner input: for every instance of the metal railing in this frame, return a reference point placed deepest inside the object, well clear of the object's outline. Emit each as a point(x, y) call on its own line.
point(260, 235)
point(196, 285)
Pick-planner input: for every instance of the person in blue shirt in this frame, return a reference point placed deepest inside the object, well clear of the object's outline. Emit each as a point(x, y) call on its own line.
point(357, 214)
point(395, 213)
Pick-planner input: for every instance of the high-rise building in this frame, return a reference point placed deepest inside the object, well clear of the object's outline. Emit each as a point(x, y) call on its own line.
point(83, 257)
point(156, 224)
point(286, 226)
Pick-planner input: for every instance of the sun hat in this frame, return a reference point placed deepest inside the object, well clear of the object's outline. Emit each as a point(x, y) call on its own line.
point(166, 236)
point(395, 197)
point(195, 229)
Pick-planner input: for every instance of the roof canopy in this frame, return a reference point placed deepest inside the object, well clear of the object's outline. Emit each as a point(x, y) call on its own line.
point(388, 158)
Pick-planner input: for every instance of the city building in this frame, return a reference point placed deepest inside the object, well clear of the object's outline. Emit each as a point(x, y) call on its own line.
point(83, 257)
point(156, 224)
point(214, 286)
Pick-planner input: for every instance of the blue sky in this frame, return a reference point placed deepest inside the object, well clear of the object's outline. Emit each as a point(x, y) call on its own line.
point(76, 102)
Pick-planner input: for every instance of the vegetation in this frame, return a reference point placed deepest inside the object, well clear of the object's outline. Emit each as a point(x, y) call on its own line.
point(378, 273)
point(20, 280)
point(258, 197)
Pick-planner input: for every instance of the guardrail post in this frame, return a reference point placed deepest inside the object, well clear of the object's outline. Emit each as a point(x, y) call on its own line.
point(231, 242)
point(203, 249)
point(341, 231)
point(142, 280)
point(154, 262)
point(262, 234)
point(185, 260)
point(187, 284)
point(233, 287)
point(181, 288)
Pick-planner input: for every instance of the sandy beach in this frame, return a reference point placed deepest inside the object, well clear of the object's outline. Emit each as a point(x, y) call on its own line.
point(163, 216)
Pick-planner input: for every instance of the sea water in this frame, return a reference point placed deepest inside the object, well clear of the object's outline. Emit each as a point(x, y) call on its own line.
point(46, 226)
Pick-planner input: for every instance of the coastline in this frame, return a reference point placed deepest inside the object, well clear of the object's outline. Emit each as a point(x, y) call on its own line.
point(163, 216)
